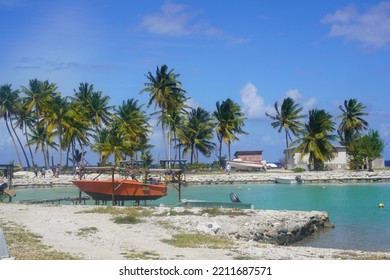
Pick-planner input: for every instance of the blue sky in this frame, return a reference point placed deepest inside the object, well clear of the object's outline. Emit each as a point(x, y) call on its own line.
point(254, 52)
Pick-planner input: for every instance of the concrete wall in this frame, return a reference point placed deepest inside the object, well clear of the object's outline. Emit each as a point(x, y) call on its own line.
point(338, 162)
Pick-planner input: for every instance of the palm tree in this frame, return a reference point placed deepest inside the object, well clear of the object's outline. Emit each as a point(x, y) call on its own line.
point(95, 105)
point(352, 122)
point(230, 120)
point(38, 99)
point(25, 122)
point(59, 118)
point(8, 101)
point(371, 146)
point(38, 96)
point(316, 139)
point(42, 139)
point(196, 134)
point(287, 118)
point(100, 110)
point(133, 123)
point(77, 131)
point(101, 145)
point(111, 141)
point(166, 93)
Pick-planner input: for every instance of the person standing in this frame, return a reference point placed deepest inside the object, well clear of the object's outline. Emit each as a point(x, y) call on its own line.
point(228, 169)
point(43, 172)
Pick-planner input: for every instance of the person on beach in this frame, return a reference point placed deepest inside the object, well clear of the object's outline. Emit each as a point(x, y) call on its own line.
point(77, 172)
point(43, 172)
point(228, 169)
point(57, 171)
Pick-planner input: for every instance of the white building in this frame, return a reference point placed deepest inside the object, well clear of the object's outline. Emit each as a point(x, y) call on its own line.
point(339, 161)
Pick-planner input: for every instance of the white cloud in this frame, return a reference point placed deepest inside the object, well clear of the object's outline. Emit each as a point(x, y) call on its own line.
point(171, 20)
point(307, 103)
point(371, 28)
point(253, 104)
point(175, 19)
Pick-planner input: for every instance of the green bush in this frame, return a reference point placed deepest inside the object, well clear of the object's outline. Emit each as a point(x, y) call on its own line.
point(298, 169)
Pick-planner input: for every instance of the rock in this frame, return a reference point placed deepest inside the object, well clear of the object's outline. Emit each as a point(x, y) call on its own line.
point(210, 229)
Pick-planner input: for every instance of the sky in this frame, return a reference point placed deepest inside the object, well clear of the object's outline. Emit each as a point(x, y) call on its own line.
point(255, 52)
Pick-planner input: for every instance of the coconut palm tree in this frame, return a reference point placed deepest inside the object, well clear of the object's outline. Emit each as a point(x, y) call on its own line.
point(100, 109)
point(165, 93)
point(38, 99)
point(77, 132)
point(8, 101)
point(316, 139)
point(352, 122)
point(229, 122)
point(133, 122)
point(25, 121)
point(42, 139)
point(59, 117)
point(95, 106)
point(196, 134)
point(371, 146)
point(111, 141)
point(38, 96)
point(287, 118)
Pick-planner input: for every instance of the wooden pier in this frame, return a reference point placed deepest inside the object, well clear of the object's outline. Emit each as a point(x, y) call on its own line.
point(74, 200)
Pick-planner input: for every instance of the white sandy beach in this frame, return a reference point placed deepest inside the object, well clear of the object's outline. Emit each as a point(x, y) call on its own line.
point(59, 224)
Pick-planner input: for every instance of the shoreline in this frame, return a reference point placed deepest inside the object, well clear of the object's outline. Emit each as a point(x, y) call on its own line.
point(24, 179)
point(57, 224)
point(60, 228)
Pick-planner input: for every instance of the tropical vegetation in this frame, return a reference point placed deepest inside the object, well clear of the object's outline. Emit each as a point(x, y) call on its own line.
point(53, 125)
point(287, 118)
point(316, 138)
point(40, 120)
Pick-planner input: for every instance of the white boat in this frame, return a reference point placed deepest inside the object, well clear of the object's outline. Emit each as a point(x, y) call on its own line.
point(286, 180)
point(246, 165)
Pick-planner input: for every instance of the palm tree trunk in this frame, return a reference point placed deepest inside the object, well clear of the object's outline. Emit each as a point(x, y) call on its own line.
point(229, 149)
point(286, 140)
point(29, 146)
point(13, 141)
point(60, 147)
point(20, 144)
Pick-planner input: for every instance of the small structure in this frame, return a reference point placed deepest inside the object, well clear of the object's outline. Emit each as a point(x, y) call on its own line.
point(252, 156)
point(339, 161)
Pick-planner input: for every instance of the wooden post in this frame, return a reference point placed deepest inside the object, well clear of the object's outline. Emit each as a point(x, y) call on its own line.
point(113, 186)
point(179, 180)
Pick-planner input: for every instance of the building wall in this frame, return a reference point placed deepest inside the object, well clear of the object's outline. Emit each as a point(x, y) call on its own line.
point(294, 159)
point(255, 156)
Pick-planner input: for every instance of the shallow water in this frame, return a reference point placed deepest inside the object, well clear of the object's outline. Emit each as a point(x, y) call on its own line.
point(359, 223)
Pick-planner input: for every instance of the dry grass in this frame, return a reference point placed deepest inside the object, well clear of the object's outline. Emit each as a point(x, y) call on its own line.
point(196, 240)
point(24, 245)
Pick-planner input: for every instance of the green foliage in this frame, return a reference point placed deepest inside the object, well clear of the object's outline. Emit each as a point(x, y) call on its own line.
point(229, 122)
point(316, 139)
point(127, 219)
point(197, 240)
point(298, 169)
point(287, 118)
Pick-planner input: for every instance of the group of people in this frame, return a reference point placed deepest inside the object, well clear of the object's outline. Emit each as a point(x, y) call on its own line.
point(42, 172)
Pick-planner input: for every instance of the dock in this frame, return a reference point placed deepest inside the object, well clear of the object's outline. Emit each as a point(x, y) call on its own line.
point(74, 200)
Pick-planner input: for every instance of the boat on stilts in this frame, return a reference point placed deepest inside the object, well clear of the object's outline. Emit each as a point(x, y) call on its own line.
point(133, 183)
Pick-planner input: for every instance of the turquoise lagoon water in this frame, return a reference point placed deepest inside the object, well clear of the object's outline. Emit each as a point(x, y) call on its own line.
point(359, 223)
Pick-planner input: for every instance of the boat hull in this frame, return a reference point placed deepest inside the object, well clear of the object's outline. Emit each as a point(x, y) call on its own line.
point(245, 165)
point(123, 189)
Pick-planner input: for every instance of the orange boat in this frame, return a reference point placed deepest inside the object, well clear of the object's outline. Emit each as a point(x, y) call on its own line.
point(121, 189)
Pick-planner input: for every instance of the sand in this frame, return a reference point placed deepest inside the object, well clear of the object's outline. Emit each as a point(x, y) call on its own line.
point(60, 227)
